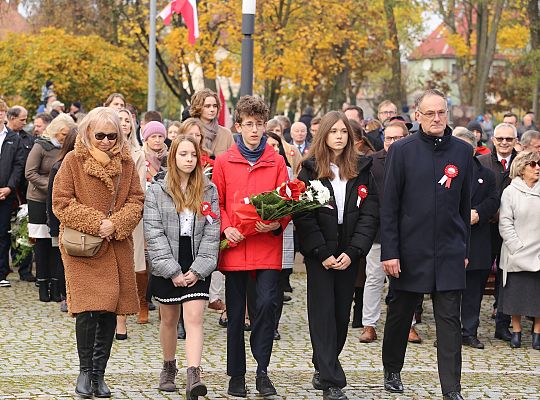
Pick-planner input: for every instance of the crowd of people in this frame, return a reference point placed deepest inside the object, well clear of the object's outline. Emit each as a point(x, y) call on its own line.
point(123, 210)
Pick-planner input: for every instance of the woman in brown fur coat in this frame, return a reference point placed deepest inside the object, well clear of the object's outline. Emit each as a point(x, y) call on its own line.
point(99, 170)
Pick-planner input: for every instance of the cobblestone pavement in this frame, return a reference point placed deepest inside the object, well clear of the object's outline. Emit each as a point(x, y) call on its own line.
point(38, 358)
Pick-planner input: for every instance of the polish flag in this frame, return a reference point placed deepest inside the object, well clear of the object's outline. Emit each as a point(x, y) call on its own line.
point(224, 117)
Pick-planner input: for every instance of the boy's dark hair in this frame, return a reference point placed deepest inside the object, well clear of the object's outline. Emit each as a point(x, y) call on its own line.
point(251, 106)
point(152, 116)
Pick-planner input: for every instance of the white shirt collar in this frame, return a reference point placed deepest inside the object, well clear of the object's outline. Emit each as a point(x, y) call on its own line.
point(499, 157)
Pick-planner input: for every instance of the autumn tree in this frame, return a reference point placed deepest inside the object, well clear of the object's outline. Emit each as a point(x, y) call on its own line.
point(83, 68)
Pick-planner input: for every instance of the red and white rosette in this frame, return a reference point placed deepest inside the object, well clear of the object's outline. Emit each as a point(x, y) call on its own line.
point(362, 194)
point(450, 172)
point(206, 210)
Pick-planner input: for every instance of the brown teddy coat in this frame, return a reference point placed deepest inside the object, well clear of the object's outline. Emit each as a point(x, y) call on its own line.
point(82, 196)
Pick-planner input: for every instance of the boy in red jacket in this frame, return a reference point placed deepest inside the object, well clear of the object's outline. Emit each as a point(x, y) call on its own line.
point(250, 167)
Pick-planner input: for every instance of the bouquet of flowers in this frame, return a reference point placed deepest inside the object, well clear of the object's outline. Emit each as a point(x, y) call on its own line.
point(19, 233)
point(289, 198)
point(207, 165)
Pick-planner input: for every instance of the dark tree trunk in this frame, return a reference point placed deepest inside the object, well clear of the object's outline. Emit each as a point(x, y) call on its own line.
point(396, 91)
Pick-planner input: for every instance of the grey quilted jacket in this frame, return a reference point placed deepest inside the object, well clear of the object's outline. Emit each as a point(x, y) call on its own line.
point(162, 232)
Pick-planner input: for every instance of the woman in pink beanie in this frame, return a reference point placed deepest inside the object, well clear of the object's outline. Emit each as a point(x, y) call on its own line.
point(155, 149)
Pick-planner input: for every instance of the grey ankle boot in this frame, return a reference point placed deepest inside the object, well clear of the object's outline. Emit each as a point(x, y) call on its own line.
point(167, 376)
point(194, 386)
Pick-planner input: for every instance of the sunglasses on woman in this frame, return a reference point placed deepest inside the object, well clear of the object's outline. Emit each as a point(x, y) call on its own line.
point(532, 164)
point(101, 136)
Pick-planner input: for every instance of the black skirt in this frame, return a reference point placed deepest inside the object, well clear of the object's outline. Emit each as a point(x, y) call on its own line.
point(521, 295)
point(164, 290)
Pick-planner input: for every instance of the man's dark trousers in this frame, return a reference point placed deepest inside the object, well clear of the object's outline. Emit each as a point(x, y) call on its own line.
point(262, 326)
point(472, 300)
point(5, 237)
point(446, 309)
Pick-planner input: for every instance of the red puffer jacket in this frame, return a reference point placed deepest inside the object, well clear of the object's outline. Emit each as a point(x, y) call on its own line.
point(236, 179)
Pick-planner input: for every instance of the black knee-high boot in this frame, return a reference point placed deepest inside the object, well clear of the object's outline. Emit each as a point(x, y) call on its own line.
point(102, 351)
point(85, 331)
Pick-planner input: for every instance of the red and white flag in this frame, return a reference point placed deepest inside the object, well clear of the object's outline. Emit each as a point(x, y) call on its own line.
point(188, 10)
point(224, 117)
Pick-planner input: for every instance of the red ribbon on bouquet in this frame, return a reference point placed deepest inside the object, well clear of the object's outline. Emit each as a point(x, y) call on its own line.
point(292, 190)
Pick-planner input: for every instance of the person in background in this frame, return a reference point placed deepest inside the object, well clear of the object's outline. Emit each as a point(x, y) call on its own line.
point(487, 125)
point(38, 166)
point(57, 108)
point(385, 111)
point(499, 161)
point(306, 118)
point(375, 276)
point(362, 143)
point(530, 140)
point(315, 122)
point(97, 192)
point(476, 128)
point(138, 156)
point(355, 113)
point(527, 124)
point(333, 240)
point(75, 109)
point(155, 149)
point(41, 121)
point(484, 205)
point(250, 167)
point(520, 252)
point(291, 152)
point(57, 270)
point(3, 113)
point(299, 137)
point(172, 132)
point(116, 101)
point(285, 127)
point(205, 105)
point(183, 246)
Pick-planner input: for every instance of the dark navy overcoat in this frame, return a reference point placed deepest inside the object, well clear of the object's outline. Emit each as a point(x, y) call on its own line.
point(425, 224)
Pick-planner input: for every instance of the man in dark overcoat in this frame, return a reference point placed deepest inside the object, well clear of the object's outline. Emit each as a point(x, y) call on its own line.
point(484, 205)
point(425, 231)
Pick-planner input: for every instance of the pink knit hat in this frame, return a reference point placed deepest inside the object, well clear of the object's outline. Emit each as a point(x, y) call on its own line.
point(153, 128)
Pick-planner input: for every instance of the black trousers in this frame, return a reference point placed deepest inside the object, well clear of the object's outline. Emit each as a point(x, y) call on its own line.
point(252, 296)
point(5, 237)
point(329, 298)
point(502, 321)
point(471, 300)
point(446, 309)
point(262, 325)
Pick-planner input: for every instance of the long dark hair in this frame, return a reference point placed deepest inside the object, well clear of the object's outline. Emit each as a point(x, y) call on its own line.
point(69, 143)
point(276, 137)
point(347, 161)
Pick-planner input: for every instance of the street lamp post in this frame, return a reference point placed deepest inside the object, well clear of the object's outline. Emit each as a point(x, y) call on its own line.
point(248, 29)
point(152, 58)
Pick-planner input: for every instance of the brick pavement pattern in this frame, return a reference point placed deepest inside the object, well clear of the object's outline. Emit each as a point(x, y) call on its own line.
point(38, 357)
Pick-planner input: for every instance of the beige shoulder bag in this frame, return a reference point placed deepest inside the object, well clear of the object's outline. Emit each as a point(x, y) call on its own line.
point(79, 244)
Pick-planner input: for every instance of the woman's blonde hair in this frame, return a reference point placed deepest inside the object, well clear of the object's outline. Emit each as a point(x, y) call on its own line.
point(520, 162)
point(347, 161)
point(197, 102)
point(132, 139)
point(62, 121)
point(186, 126)
point(193, 196)
point(103, 115)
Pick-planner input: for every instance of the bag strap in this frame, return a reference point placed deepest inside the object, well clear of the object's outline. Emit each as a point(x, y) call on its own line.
point(111, 208)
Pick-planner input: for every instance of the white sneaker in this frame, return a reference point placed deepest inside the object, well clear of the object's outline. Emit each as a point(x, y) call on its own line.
point(5, 283)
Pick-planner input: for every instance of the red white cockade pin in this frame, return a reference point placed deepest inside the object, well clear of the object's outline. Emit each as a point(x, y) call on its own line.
point(362, 194)
point(450, 172)
point(206, 210)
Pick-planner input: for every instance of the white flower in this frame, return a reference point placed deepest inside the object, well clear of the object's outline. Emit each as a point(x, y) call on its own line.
point(309, 195)
point(23, 212)
point(322, 194)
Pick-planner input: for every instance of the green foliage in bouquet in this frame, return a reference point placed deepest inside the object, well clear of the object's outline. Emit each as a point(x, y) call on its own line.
point(19, 235)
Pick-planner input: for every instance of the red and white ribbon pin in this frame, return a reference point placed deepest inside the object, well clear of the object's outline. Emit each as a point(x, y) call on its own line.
point(206, 210)
point(450, 172)
point(362, 194)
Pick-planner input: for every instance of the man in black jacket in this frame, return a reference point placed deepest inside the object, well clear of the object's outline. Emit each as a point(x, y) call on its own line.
point(16, 120)
point(425, 230)
point(11, 171)
point(499, 161)
point(485, 203)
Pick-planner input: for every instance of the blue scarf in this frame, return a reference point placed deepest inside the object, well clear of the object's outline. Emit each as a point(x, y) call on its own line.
point(251, 155)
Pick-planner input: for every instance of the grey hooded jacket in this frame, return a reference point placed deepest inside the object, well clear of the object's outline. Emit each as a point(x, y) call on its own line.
point(162, 232)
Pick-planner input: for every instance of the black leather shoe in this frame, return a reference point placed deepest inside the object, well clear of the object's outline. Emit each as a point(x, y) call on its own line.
point(453, 396)
point(472, 341)
point(316, 381)
point(536, 341)
point(286, 298)
point(515, 341)
point(503, 334)
point(392, 382)
point(334, 393)
point(100, 388)
point(84, 385)
point(151, 306)
point(264, 385)
point(28, 278)
point(237, 386)
point(277, 336)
